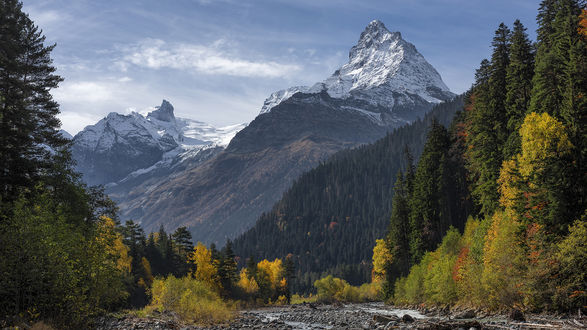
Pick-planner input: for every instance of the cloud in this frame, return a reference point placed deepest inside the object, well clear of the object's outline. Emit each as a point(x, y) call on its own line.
point(73, 122)
point(84, 91)
point(157, 54)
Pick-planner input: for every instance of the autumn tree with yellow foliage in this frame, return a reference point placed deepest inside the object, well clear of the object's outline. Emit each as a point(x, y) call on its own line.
point(205, 271)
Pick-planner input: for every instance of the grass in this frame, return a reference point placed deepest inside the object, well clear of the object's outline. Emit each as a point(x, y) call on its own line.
point(297, 299)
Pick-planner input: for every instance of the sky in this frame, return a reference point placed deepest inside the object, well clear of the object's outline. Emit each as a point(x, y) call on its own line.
point(218, 60)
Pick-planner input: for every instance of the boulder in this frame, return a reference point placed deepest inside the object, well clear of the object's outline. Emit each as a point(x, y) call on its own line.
point(516, 315)
point(468, 314)
point(407, 318)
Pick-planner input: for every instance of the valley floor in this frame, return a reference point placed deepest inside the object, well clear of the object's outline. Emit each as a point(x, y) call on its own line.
point(350, 316)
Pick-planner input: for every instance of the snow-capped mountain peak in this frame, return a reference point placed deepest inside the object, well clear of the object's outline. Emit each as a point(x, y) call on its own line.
point(137, 142)
point(159, 127)
point(164, 112)
point(383, 70)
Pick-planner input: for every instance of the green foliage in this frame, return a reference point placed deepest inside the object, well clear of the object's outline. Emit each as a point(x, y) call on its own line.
point(432, 279)
point(28, 122)
point(193, 300)
point(469, 264)
point(410, 289)
point(572, 257)
point(398, 233)
point(56, 270)
point(429, 209)
point(339, 208)
point(519, 85)
point(504, 262)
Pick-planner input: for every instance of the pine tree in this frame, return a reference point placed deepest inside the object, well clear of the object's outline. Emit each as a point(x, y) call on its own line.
point(28, 122)
point(519, 86)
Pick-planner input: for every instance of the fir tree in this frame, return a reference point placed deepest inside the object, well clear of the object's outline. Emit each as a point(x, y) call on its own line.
point(228, 272)
point(429, 212)
point(398, 239)
point(519, 86)
point(28, 122)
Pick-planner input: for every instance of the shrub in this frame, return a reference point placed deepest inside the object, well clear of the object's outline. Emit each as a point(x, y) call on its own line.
point(572, 256)
point(331, 288)
point(191, 299)
point(439, 285)
point(504, 263)
point(469, 265)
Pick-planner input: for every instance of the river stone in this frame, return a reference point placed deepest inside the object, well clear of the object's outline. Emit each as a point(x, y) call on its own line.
point(384, 318)
point(407, 318)
point(468, 314)
point(516, 315)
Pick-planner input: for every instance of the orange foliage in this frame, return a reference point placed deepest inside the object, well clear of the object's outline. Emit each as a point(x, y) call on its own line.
point(457, 274)
point(583, 23)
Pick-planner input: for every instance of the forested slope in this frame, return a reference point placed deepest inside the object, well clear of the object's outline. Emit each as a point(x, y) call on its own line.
point(330, 217)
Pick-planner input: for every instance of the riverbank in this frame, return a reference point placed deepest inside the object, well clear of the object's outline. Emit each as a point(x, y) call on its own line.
point(349, 316)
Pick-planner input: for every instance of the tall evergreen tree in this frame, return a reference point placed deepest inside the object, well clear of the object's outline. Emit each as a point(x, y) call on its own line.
point(429, 213)
point(28, 122)
point(574, 104)
point(519, 86)
point(228, 272)
point(483, 151)
point(559, 83)
point(398, 236)
point(558, 23)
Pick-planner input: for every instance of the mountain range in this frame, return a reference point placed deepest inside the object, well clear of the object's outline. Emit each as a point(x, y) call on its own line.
point(176, 172)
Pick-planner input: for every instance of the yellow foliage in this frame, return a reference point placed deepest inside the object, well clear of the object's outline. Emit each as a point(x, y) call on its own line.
point(503, 261)
point(297, 299)
point(205, 270)
point(509, 180)
point(274, 270)
point(111, 242)
point(148, 274)
point(193, 300)
point(382, 258)
point(543, 137)
point(248, 284)
point(332, 288)
point(281, 300)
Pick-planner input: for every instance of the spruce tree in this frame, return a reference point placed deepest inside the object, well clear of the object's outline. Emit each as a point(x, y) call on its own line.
point(228, 271)
point(398, 236)
point(429, 214)
point(28, 122)
point(573, 111)
point(484, 154)
point(519, 86)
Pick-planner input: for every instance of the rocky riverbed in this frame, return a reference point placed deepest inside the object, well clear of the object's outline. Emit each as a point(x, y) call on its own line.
point(352, 316)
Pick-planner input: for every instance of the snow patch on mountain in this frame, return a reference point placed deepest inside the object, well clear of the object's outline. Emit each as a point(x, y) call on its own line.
point(160, 127)
point(141, 143)
point(383, 69)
